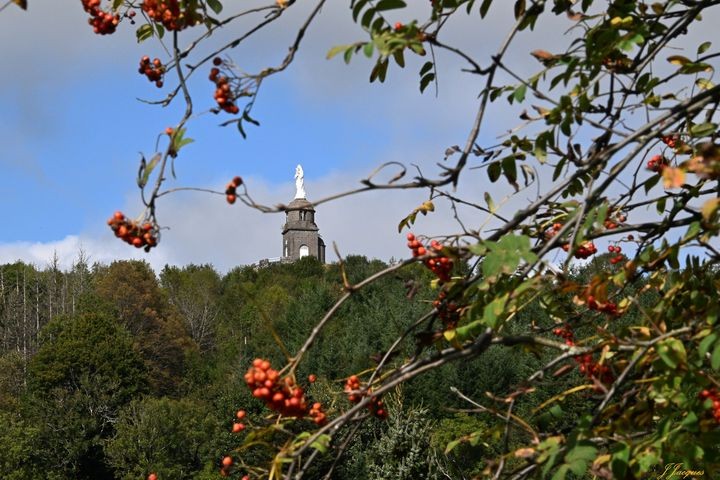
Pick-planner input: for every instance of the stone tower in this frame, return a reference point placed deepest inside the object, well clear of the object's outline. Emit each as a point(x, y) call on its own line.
point(301, 235)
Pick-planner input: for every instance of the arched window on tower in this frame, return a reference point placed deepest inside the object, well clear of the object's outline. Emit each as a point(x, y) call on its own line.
point(304, 251)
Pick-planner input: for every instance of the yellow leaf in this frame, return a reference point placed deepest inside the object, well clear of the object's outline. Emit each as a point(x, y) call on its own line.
point(524, 452)
point(562, 396)
point(709, 208)
point(678, 60)
point(673, 177)
point(601, 460)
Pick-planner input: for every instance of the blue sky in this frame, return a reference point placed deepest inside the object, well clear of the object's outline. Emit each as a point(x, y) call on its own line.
point(71, 130)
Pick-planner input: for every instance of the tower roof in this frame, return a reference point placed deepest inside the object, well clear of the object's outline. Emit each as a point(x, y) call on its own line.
point(300, 204)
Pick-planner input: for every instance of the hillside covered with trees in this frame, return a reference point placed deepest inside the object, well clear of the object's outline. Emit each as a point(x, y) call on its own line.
point(109, 371)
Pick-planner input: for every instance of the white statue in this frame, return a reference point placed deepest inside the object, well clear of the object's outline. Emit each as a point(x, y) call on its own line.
point(299, 183)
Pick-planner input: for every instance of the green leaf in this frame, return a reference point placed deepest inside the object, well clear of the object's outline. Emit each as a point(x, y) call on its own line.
point(368, 49)
point(561, 472)
point(494, 171)
point(452, 445)
point(519, 93)
point(215, 5)
point(367, 17)
point(697, 67)
point(715, 358)
point(651, 182)
point(144, 32)
point(672, 352)
point(427, 66)
point(660, 204)
point(358, 8)
point(389, 5)
point(510, 170)
point(620, 459)
point(116, 4)
point(321, 443)
point(399, 58)
point(484, 7)
point(690, 422)
point(146, 171)
point(704, 47)
point(490, 203)
point(703, 129)
point(335, 50)
point(425, 81)
point(706, 343)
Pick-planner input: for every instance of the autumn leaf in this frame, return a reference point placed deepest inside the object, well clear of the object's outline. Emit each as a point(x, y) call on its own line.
point(21, 3)
point(673, 177)
point(709, 208)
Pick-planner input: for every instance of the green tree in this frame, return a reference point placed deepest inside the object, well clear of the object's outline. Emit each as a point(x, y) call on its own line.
point(134, 295)
point(173, 438)
point(81, 377)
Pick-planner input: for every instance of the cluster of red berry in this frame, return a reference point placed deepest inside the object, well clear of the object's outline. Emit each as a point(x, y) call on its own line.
point(103, 23)
point(227, 463)
point(583, 251)
point(440, 265)
point(592, 369)
point(448, 312)
point(617, 258)
point(657, 163)
point(168, 13)
point(671, 140)
point(223, 93)
point(586, 365)
point(552, 231)
point(612, 223)
point(281, 395)
point(317, 414)
point(712, 395)
point(606, 307)
point(153, 71)
point(566, 334)
point(137, 235)
point(239, 426)
point(231, 190)
point(354, 395)
point(618, 62)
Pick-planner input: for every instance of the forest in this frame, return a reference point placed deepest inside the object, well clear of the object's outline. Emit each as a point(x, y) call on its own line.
point(110, 371)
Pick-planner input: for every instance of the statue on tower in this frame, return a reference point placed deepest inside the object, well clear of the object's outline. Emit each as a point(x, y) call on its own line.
point(299, 183)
